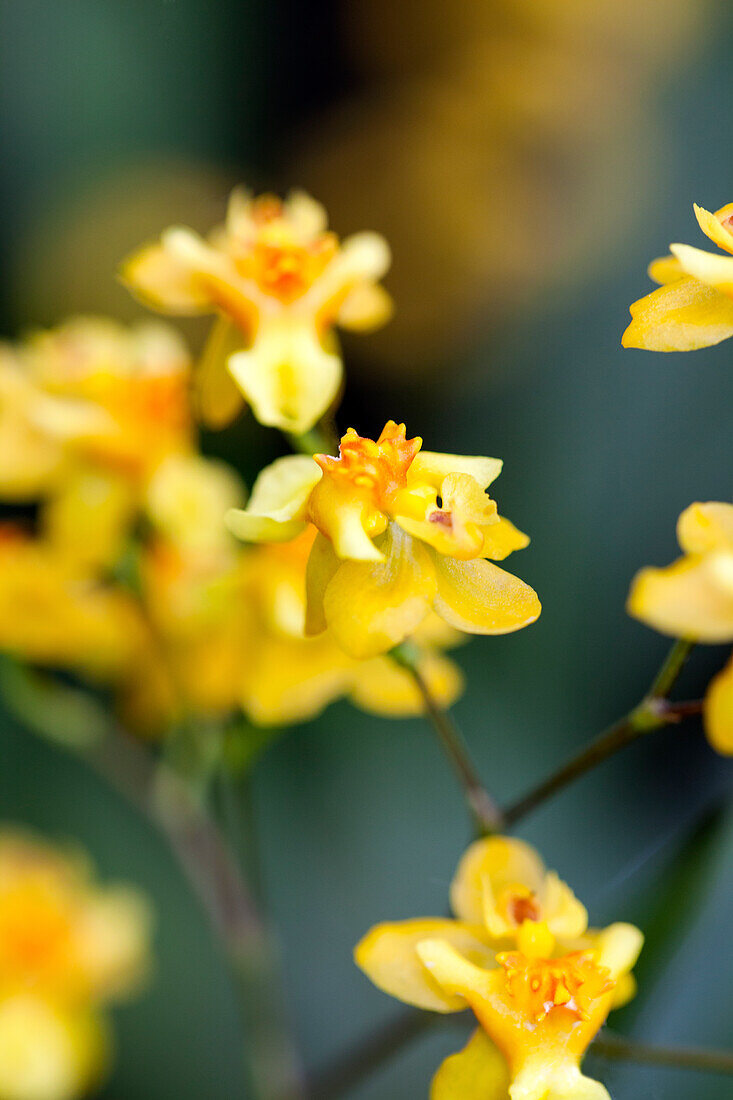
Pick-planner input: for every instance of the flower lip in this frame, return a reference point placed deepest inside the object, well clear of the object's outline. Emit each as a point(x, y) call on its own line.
point(573, 982)
point(377, 467)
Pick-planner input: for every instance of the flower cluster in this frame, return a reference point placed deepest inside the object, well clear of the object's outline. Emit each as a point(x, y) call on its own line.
point(147, 572)
point(520, 955)
point(67, 948)
point(130, 579)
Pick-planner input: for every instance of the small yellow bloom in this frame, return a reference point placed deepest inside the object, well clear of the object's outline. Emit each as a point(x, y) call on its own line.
point(693, 599)
point(521, 957)
point(276, 274)
point(113, 395)
point(401, 531)
point(693, 307)
point(67, 948)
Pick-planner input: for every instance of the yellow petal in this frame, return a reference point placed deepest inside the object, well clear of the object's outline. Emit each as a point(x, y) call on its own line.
point(716, 271)
point(46, 1053)
point(556, 1077)
point(307, 217)
point(275, 509)
point(618, 948)
point(372, 606)
point(480, 598)
point(705, 527)
point(188, 497)
point(502, 539)
point(567, 918)
point(624, 991)
point(453, 970)
point(292, 680)
point(322, 565)
point(718, 711)
point(163, 281)
point(681, 316)
point(711, 225)
point(288, 376)
point(216, 395)
point(89, 521)
point(388, 956)
point(504, 861)
point(666, 269)
point(367, 307)
point(478, 1072)
point(382, 687)
point(433, 467)
point(686, 599)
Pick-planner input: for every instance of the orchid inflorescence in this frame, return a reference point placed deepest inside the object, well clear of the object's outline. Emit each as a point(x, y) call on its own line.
point(149, 578)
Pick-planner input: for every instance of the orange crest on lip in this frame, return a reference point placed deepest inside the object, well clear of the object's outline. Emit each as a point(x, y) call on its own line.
point(379, 467)
point(573, 982)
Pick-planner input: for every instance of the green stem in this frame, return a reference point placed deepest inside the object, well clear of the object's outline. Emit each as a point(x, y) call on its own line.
point(484, 810)
point(652, 713)
point(320, 439)
point(629, 1050)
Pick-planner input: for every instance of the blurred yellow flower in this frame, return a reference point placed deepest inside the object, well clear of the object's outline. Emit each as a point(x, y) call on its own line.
point(718, 711)
point(280, 282)
point(401, 531)
point(67, 947)
point(521, 957)
point(55, 615)
point(230, 636)
point(693, 599)
point(114, 395)
point(693, 308)
point(288, 677)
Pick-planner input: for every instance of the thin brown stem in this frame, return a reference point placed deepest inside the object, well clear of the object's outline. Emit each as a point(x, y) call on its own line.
point(653, 712)
point(485, 812)
point(629, 1050)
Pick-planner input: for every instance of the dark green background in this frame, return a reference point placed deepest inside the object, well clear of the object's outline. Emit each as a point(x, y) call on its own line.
point(359, 819)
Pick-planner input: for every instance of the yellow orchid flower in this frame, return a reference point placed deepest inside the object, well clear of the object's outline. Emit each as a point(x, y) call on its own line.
point(401, 531)
point(693, 599)
point(67, 947)
point(280, 282)
point(693, 308)
point(519, 954)
point(113, 395)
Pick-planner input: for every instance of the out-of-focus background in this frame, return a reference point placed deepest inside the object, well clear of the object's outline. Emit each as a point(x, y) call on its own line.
point(526, 159)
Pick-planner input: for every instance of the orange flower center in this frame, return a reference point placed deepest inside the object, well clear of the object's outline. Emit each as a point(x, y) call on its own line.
point(377, 468)
point(537, 986)
point(281, 264)
point(34, 932)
